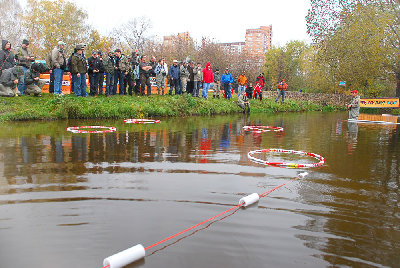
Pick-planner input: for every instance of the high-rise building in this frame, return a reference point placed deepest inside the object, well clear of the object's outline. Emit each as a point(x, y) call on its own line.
point(258, 41)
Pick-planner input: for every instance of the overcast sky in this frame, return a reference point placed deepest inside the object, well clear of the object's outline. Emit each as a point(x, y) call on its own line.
point(226, 21)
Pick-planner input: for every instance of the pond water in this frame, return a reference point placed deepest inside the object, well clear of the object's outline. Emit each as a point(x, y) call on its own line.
point(71, 200)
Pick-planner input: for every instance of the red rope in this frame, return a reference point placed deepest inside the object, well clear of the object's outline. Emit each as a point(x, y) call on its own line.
point(194, 226)
point(210, 219)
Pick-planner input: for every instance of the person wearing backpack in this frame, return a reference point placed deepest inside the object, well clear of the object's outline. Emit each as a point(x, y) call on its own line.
point(78, 71)
point(24, 58)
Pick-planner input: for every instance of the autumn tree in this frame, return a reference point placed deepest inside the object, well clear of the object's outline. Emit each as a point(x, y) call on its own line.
point(10, 21)
point(46, 22)
point(359, 40)
point(284, 63)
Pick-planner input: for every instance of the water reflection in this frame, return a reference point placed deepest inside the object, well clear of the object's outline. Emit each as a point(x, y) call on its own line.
point(186, 169)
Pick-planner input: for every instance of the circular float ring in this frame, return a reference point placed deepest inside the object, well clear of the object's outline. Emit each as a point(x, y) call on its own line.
point(261, 129)
point(141, 121)
point(283, 164)
point(80, 129)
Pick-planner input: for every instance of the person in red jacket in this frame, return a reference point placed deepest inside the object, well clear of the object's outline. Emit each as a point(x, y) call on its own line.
point(208, 78)
point(282, 86)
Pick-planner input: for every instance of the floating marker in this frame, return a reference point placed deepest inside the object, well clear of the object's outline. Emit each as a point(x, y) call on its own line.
point(125, 257)
point(250, 199)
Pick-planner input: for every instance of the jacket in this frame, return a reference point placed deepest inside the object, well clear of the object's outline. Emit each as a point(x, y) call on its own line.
point(354, 109)
point(123, 63)
point(57, 58)
point(30, 76)
point(283, 86)
point(21, 55)
point(198, 74)
point(227, 78)
point(242, 99)
point(78, 64)
point(174, 71)
point(108, 64)
point(9, 75)
point(93, 64)
point(184, 71)
point(242, 80)
point(6, 57)
point(217, 77)
point(208, 74)
point(260, 80)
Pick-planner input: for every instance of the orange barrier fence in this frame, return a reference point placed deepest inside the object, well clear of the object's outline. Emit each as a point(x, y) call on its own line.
point(66, 84)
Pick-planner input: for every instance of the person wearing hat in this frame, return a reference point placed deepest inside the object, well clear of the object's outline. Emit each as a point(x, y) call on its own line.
point(24, 58)
point(216, 83)
point(120, 70)
point(282, 86)
point(9, 80)
point(354, 105)
point(78, 71)
point(58, 64)
point(174, 77)
point(109, 64)
point(100, 74)
point(227, 81)
point(93, 71)
point(32, 79)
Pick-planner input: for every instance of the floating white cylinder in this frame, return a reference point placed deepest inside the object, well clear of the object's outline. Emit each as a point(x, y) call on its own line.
point(125, 257)
point(302, 175)
point(250, 199)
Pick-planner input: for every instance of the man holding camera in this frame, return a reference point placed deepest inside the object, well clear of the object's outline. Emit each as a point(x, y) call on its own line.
point(161, 73)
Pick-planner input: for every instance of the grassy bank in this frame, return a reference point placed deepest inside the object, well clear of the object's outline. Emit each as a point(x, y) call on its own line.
point(52, 107)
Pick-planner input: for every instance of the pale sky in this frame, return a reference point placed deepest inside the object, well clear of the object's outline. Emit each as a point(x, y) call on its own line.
point(226, 21)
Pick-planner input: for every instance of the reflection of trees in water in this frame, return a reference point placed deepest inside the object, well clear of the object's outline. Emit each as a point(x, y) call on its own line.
point(361, 196)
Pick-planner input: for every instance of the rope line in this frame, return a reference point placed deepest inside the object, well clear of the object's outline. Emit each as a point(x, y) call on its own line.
point(201, 223)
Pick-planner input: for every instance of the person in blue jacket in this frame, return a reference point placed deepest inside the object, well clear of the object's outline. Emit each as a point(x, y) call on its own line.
point(227, 81)
point(174, 77)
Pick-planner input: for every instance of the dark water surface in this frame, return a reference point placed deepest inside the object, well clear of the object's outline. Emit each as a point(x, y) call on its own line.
point(70, 200)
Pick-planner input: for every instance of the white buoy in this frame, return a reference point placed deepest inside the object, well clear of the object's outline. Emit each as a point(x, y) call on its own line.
point(250, 199)
point(302, 175)
point(125, 257)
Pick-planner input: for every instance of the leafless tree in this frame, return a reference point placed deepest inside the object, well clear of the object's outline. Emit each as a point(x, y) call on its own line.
point(10, 21)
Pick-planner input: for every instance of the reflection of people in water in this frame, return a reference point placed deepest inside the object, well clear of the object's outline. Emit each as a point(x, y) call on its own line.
point(226, 137)
point(354, 105)
point(352, 135)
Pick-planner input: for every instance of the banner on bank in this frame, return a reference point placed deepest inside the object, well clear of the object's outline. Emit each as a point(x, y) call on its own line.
point(380, 103)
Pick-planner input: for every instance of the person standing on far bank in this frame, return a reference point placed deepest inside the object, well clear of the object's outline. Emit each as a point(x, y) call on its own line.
point(354, 105)
point(282, 89)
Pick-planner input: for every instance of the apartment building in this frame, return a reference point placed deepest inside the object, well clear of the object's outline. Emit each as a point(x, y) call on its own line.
point(258, 41)
point(235, 48)
point(174, 39)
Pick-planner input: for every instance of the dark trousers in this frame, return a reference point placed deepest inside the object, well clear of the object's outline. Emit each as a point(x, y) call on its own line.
point(119, 77)
point(94, 83)
point(137, 86)
point(109, 84)
point(173, 83)
point(128, 83)
point(227, 90)
point(145, 81)
point(51, 83)
point(101, 82)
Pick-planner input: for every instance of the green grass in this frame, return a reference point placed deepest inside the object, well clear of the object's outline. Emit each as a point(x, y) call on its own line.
point(53, 107)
